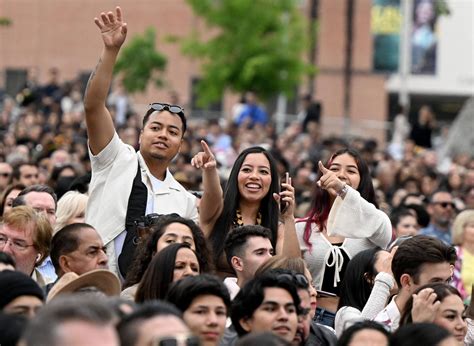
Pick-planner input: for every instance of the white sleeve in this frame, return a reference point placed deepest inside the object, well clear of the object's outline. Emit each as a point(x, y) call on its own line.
point(469, 339)
point(354, 217)
point(108, 155)
point(384, 282)
point(347, 316)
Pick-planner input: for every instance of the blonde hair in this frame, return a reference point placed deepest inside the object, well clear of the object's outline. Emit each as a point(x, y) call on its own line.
point(459, 223)
point(23, 217)
point(70, 205)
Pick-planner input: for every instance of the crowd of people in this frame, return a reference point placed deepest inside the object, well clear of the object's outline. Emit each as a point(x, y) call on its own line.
point(124, 229)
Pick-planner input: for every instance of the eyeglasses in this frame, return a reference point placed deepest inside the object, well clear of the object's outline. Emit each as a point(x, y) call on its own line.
point(175, 109)
point(176, 340)
point(18, 245)
point(446, 204)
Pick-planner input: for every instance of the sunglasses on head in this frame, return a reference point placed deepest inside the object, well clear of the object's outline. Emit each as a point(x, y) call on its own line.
point(175, 109)
point(446, 204)
point(299, 279)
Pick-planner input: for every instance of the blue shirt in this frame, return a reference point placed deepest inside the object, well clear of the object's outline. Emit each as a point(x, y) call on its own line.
point(432, 231)
point(253, 112)
point(47, 270)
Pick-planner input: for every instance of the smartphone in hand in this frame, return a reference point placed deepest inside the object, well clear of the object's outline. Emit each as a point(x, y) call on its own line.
point(284, 205)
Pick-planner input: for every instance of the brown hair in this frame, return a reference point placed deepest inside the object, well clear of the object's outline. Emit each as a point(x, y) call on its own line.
point(282, 262)
point(23, 217)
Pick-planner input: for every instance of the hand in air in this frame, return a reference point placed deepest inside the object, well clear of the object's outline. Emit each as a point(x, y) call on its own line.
point(424, 306)
point(329, 181)
point(204, 159)
point(113, 29)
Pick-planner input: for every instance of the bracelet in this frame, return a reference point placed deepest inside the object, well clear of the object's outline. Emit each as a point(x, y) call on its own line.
point(343, 190)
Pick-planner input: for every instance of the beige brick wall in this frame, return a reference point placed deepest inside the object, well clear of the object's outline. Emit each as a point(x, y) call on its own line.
point(61, 33)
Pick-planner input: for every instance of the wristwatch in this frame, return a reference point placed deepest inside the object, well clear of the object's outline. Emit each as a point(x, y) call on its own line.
point(343, 191)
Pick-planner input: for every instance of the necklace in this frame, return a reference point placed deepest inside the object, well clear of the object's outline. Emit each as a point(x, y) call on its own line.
point(238, 220)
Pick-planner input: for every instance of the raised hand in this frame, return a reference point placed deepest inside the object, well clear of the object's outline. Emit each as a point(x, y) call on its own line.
point(424, 306)
point(329, 181)
point(204, 159)
point(113, 29)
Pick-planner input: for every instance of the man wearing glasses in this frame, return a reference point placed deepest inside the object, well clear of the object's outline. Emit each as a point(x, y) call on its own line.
point(126, 185)
point(26, 236)
point(442, 211)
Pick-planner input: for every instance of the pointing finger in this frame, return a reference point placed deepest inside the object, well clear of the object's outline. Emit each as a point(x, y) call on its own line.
point(205, 147)
point(323, 169)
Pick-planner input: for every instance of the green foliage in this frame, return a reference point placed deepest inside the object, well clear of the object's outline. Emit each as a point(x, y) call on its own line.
point(4, 21)
point(442, 8)
point(140, 63)
point(256, 45)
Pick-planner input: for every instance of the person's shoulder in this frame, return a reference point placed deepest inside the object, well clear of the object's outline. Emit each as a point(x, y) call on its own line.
point(176, 185)
point(322, 335)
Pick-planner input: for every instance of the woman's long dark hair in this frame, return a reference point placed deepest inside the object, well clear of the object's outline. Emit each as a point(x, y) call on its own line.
point(321, 202)
point(441, 289)
point(268, 206)
point(147, 249)
point(159, 274)
point(360, 272)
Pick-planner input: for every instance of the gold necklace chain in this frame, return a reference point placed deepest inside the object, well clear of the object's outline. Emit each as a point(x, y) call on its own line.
point(239, 221)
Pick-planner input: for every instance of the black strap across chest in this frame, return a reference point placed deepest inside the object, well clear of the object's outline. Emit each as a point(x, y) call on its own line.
point(136, 208)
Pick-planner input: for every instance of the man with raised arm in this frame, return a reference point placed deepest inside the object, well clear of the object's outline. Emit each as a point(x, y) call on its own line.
point(126, 185)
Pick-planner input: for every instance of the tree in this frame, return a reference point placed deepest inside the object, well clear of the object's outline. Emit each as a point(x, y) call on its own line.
point(140, 63)
point(255, 45)
point(4, 21)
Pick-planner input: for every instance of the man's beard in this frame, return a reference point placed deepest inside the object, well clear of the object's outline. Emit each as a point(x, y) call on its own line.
point(443, 222)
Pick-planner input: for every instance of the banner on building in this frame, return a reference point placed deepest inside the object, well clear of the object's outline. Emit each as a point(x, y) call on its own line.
point(423, 37)
point(386, 21)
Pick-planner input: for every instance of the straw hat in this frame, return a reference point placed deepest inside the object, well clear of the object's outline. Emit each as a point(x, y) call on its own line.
point(102, 279)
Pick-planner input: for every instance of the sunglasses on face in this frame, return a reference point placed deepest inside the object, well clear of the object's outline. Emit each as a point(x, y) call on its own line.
point(446, 204)
point(175, 109)
point(177, 340)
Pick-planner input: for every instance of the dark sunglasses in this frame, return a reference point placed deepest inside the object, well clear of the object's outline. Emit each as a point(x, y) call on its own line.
point(175, 109)
point(178, 340)
point(446, 204)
